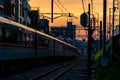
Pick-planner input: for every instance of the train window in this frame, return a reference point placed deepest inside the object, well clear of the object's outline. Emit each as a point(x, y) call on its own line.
point(46, 43)
point(19, 38)
point(23, 39)
point(28, 39)
point(7, 34)
point(43, 42)
point(1, 10)
point(11, 36)
point(58, 45)
point(31, 40)
point(0, 34)
point(38, 42)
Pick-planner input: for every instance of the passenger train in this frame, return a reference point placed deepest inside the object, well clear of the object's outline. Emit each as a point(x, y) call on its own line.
point(22, 47)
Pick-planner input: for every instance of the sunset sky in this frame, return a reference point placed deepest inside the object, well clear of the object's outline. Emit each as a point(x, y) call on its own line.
point(73, 6)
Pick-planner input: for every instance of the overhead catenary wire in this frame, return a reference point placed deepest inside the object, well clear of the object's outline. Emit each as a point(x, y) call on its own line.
point(62, 6)
point(83, 6)
point(58, 6)
point(92, 6)
point(88, 1)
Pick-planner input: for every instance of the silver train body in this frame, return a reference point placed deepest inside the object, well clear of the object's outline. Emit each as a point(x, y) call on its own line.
point(21, 45)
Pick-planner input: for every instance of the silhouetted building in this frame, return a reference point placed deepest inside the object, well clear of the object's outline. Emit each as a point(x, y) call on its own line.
point(81, 47)
point(34, 15)
point(1, 7)
point(12, 9)
point(116, 31)
point(26, 12)
point(8, 9)
point(44, 25)
point(65, 33)
point(19, 10)
point(71, 30)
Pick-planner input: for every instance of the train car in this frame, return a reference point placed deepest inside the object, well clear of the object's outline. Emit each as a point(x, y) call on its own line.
point(22, 48)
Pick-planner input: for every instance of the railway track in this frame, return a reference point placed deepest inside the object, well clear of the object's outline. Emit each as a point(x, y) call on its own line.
point(56, 72)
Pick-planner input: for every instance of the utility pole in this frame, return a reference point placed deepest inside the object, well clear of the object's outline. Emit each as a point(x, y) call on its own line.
point(85, 21)
point(115, 5)
point(104, 25)
point(52, 6)
point(100, 34)
point(89, 46)
point(103, 58)
point(113, 17)
point(110, 21)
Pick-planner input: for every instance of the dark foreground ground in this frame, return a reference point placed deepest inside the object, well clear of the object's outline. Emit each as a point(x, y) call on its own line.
point(111, 72)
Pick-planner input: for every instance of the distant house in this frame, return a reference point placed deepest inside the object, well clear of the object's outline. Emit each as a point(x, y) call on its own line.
point(44, 25)
point(117, 30)
point(16, 10)
point(65, 33)
point(8, 9)
point(26, 12)
point(1, 7)
point(34, 15)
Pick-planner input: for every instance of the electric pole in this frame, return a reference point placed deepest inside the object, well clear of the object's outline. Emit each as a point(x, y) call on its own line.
point(103, 59)
point(52, 6)
point(89, 63)
point(100, 34)
point(104, 25)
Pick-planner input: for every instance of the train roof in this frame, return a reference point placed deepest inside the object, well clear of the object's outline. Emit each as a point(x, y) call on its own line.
point(8, 21)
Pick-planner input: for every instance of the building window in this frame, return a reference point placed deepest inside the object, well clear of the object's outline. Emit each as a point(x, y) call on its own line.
point(1, 7)
point(20, 9)
point(0, 33)
point(13, 9)
point(20, 20)
point(1, 10)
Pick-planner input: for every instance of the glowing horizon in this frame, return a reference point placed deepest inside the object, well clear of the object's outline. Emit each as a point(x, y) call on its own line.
point(72, 6)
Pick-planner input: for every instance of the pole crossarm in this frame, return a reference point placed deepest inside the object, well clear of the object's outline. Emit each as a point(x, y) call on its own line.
point(58, 15)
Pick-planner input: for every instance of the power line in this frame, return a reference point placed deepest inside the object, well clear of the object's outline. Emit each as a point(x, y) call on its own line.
point(92, 6)
point(83, 6)
point(62, 6)
point(58, 6)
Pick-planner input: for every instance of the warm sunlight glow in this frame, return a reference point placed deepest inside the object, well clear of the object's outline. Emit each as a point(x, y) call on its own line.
point(73, 6)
